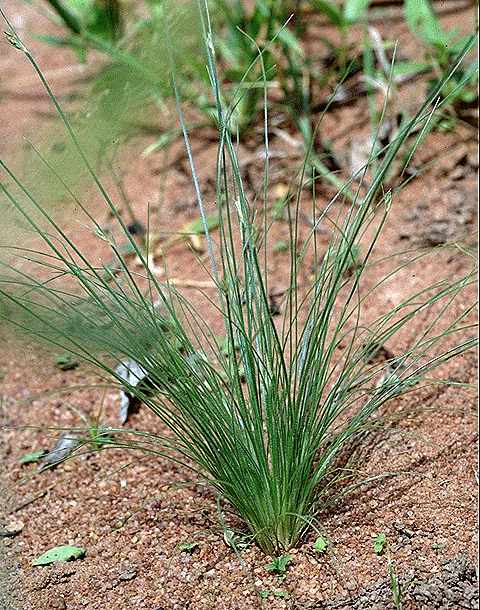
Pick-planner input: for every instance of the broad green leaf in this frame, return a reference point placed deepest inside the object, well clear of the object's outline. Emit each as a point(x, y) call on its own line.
point(320, 545)
point(423, 22)
point(353, 10)
point(34, 456)
point(60, 553)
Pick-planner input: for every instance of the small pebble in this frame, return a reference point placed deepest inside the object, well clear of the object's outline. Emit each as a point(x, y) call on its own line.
point(210, 574)
point(12, 528)
point(57, 602)
point(128, 574)
point(457, 173)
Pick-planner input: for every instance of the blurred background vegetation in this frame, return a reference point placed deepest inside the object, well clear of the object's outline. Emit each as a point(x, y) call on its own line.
point(263, 47)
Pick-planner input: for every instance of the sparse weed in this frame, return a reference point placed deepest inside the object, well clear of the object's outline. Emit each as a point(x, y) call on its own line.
point(395, 586)
point(379, 543)
point(381, 546)
point(441, 49)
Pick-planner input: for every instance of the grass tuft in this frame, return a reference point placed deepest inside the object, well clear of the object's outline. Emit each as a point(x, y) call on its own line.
point(264, 413)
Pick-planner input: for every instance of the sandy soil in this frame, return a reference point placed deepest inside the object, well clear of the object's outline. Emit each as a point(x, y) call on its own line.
point(131, 512)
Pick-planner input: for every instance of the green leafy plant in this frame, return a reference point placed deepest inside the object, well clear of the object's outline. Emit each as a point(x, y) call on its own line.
point(279, 593)
point(65, 362)
point(264, 423)
point(98, 436)
point(342, 16)
point(92, 436)
point(380, 546)
point(279, 565)
point(259, 50)
point(379, 543)
point(132, 76)
point(320, 545)
point(246, 49)
point(188, 547)
point(442, 47)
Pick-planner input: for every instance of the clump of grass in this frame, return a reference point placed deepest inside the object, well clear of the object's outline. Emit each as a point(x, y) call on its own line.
point(262, 415)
